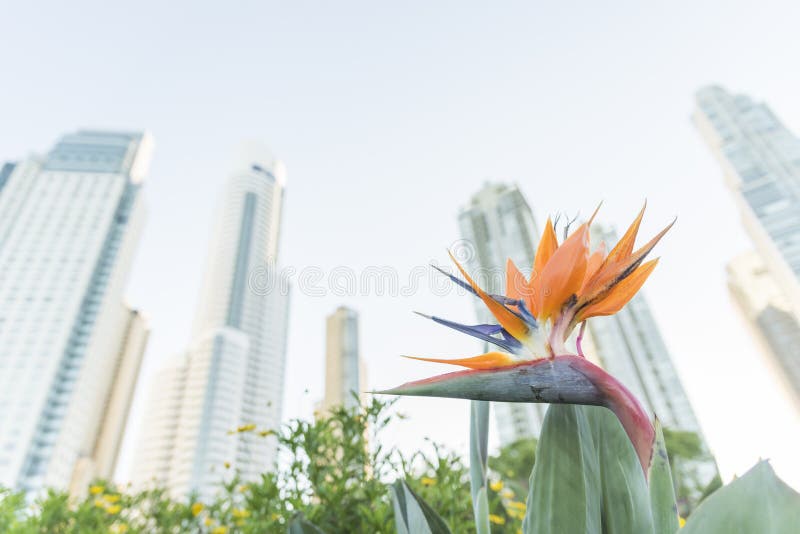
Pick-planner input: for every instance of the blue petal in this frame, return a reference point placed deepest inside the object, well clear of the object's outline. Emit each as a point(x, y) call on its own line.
point(486, 332)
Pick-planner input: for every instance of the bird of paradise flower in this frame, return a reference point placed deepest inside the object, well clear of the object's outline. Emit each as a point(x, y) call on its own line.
point(568, 285)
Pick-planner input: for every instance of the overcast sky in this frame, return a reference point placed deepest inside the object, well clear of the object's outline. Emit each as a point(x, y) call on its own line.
point(388, 117)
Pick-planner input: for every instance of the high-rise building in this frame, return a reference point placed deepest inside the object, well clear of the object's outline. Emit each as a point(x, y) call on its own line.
point(630, 347)
point(344, 370)
point(69, 347)
point(760, 158)
point(498, 224)
point(231, 377)
point(766, 311)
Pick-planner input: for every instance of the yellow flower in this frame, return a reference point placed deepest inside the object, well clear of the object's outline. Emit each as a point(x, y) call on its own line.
point(113, 509)
point(265, 433)
point(246, 428)
point(111, 498)
point(497, 519)
point(517, 505)
point(208, 521)
point(95, 490)
point(197, 508)
point(275, 517)
point(243, 488)
point(240, 513)
point(681, 522)
point(227, 465)
point(516, 514)
point(120, 529)
point(427, 481)
point(507, 494)
point(99, 503)
point(496, 486)
point(219, 530)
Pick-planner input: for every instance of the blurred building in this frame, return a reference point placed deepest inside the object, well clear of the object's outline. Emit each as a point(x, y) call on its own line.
point(211, 406)
point(344, 369)
point(760, 159)
point(767, 313)
point(70, 349)
point(630, 347)
point(498, 224)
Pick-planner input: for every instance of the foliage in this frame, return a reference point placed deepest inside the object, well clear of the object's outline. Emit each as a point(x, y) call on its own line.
point(333, 477)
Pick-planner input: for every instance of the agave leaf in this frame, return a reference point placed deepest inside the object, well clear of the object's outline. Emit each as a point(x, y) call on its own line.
point(478, 463)
point(412, 514)
point(757, 502)
point(300, 525)
point(662, 492)
point(565, 481)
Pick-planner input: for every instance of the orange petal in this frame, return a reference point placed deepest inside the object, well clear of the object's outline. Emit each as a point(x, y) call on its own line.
point(612, 272)
point(562, 277)
point(513, 324)
point(625, 245)
point(490, 360)
point(620, 294)
point(594, 263)
point(547, 246)
point(517, 285)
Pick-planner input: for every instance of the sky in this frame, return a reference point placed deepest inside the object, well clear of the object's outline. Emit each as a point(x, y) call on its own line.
point(388, 117)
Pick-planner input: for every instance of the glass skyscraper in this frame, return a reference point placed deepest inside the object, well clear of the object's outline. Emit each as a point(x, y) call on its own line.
point(760, 159)
point(232, 374)
point(70, 348)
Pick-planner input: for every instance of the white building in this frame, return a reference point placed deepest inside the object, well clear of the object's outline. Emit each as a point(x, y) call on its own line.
point(232, 374)
point(496, 225)
point(344, 369)
point(760, 158)
point(70, 348)
point(767, 313)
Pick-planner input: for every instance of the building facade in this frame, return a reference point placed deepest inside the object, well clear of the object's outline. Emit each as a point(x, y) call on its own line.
point(498, 224)
point(232, 374)
point(766, 311)
point(760, 159)
point(344, 369)
point(70, 348)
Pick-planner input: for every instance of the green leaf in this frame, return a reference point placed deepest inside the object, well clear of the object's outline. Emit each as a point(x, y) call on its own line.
point(587, 477)
point(478, 463)
point(565, 481)
point(625, 497)
point(412, 514)
point(757, 502)
point(662, 491)
point(300, 525)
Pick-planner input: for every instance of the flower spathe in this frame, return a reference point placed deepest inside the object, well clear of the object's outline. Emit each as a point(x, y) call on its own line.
point(569, 283)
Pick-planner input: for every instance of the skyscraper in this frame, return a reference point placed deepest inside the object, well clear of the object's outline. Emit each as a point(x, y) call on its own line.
point(69, 347)
point(498, 224)
point(760, 158)
point(344, 373)
point(630, 347)
point(232, 374)
point(766, 311)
